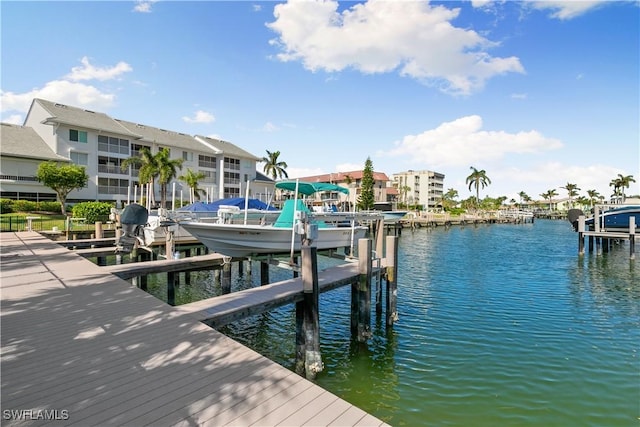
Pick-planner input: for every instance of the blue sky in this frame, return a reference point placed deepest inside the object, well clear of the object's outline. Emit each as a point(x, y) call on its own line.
point(538, 94)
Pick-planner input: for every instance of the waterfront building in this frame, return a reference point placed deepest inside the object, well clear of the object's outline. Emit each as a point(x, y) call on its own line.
point(384, 191)
point(420, 188)
point(100, 143)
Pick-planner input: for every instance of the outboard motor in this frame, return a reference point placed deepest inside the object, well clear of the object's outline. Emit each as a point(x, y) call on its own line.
point(133, 219)
point(573, 216)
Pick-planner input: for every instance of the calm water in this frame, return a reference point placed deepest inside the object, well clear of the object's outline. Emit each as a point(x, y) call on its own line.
point(499, 325)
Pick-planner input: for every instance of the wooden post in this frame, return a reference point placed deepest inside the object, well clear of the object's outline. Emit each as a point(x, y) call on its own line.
point(264, 273)
point(187, 274)
point(361, 294)
point(225, 281)
point(99, 232)
point(308, 330)
point(300, 339)
point(171, 288)
point(169, 246)
point(142, 280)
point(632, 237)
point(392, 279)
point(380, 232)
point(581, 234)
point(240, 268)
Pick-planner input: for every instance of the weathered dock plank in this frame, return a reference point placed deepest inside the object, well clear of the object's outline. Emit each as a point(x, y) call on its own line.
point(91, 349)
point(224, 309)
point(199, 262)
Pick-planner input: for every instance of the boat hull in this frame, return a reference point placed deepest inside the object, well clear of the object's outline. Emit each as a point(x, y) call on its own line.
point(244, 240)
point(617, 218)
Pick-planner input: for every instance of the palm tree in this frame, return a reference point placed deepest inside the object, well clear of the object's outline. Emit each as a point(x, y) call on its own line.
point(448, 199)
point(273, 166)
point(192, 179)
point(572, 189)
point(549, 195)
point(593, 195)
point(477, 179)
point(404, 192)
point(167, 170)
point(616, 183)
point(148, 169)
point(625, 182)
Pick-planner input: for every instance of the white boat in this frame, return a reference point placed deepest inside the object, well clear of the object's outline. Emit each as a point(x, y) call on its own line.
point(160, 227)
point(163, 224)
point(294, 224)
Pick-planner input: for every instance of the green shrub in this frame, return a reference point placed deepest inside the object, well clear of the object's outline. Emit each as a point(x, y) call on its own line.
point(92, 211)
point(24, 206)
point(49, 207)
point(6, 205)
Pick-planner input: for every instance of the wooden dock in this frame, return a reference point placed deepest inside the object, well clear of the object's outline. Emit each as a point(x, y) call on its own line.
point(80, 346)
point(224, 309)
point(604, 237)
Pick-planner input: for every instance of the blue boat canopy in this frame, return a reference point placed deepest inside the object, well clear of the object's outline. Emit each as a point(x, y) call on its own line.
point(309, 188)
point(235, 201)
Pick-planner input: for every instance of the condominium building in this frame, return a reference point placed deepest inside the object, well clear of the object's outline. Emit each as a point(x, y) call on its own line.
point(423, 188)
point(100, 143)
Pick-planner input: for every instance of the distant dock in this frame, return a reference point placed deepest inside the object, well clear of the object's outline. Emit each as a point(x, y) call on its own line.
point(81, 346)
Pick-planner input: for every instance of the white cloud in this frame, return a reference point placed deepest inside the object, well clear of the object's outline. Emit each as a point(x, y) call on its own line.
point(463, 142)
point(91, 72)
point(564, 10)
point(348, 167)
point(412, 38)
point(270, 127)
point(66, 92)
point(143, 6)
point(200, 117)
point(294, 172)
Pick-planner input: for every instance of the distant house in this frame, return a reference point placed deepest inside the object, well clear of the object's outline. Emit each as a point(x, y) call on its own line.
point(100, 143)
point(383, 190)
point(424, 188)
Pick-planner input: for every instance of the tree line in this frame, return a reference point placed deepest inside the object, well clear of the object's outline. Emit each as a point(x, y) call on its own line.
point(160, 168)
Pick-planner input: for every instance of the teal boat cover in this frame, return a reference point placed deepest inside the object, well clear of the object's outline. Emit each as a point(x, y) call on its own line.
point(285, 219)
point(309, 188)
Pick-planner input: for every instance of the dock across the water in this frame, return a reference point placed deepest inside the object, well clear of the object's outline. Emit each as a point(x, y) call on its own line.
point(83, 347)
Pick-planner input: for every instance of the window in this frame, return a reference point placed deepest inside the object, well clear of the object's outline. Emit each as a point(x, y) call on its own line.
point(77, 135)
point(112, 186)
point(206, 161)
point(231, 178)
point(110, 165)
point(231, 192)
point(187, 156)
point(230, 163)
point(111, 144)
point(79, 158)
point(136, 148)
point(210, 176)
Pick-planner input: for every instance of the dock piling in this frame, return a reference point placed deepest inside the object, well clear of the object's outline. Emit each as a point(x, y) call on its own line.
point(361, 294)
point(308, 357)
point(392, 280)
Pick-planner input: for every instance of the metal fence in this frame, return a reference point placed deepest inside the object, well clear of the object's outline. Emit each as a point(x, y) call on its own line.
point(44, 223)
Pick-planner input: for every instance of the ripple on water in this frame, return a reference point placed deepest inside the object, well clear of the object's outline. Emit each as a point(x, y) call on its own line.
point(499, 325)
